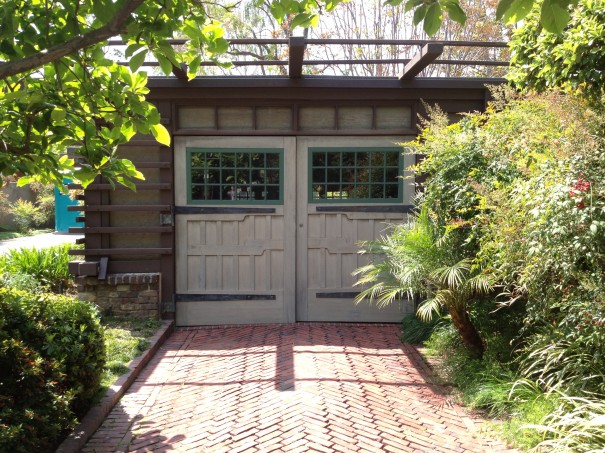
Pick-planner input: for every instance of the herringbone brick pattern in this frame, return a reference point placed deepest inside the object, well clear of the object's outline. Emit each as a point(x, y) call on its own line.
point(288, 388)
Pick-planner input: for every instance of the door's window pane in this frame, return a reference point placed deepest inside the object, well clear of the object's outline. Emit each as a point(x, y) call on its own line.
point(242, 176)
point(355, 175)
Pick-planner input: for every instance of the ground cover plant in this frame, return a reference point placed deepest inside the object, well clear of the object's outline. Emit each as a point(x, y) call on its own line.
point(514, 198)
point(37, 270)
point(125, 339)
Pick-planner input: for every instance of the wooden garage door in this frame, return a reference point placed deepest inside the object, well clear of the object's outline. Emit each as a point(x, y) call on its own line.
point(235, 230)
point(267, 227)
point(349, 190)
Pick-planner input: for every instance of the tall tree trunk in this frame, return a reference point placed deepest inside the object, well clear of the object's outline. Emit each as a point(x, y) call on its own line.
point(467, 330)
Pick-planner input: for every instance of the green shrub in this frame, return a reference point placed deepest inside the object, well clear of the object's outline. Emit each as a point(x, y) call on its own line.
point(416, 331)
point(571, 60)
point(45, 201)
point(25, 214)
point(51, 360)
point(48, 266)
point(22, 282)
point(577, 424)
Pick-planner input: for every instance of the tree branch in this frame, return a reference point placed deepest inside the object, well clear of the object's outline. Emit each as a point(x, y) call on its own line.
point(112, 28)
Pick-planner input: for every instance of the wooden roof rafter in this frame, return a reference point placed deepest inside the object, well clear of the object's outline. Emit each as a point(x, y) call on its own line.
point(429, 53)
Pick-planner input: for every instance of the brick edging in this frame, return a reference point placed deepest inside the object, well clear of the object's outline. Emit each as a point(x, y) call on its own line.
point(97, 414)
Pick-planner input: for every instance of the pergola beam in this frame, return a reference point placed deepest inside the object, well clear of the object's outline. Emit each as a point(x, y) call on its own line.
point(295, 57)
point(429, 53)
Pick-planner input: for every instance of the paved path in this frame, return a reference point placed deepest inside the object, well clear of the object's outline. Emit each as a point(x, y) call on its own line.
point(287, 388)
point(38, 241)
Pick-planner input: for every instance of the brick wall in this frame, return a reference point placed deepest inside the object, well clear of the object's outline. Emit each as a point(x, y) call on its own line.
point(123, 294)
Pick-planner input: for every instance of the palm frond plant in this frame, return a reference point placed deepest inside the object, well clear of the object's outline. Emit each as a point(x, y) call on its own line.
point(415, 259)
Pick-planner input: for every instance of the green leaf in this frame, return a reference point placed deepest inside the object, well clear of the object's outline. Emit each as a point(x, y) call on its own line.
point(277, 11)
point(433, 19)
point(132, 48)
point(58, 115)
point(394, 2)
point(137, 60)
point(554, 15)
point(164, 63)
point(104, 10)
point(419, 14)
point(410, 5)
point(503, 7)
point(301, 20)
point(517, 11)
point(454, 11)
point(161, 134)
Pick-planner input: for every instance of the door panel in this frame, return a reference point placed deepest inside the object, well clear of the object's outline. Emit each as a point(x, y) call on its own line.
point(235, 261)
point(327, 243)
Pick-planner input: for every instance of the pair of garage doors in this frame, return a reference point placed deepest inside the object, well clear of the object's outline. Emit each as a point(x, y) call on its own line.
point(267, 227)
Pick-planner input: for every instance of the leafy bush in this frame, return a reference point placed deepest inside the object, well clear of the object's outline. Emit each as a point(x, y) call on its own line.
point(25, 214)
point(416, 331)
point(45, 201)
point(48, 266)
point(51, 359)
point(517, 194)
point(577, 424)
point(418, 259)
point(572, 59)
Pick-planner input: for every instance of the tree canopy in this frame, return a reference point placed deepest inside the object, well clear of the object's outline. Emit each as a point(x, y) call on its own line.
point(59, 91)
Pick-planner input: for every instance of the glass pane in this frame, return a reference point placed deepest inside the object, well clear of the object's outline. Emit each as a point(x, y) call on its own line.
point(258, 160)
point(363, 159)
point(272, 177)
point(213, 176)
point(334, 159)
point(198, 159)
point(197, 176)
point(377, 159)
point(377, 174)
point(197, 192)
point(334, 175)
point(392, 159)
point(319, 175)
point(213, 160)
point(227, 160)
point(228, 177)
point(391, 191)
point(348, 174)
point(348, 159)
point(319, 159)
point(229, 193)
point(272, 193)
point(391, 174)
point(258, 176)
point(243, 160)
point(212, 192)
point(242, 176)
point(333, 191)
point(363, 174)
point(272, 160)
point(377, 191)
point(361, 191)
point(319, 191)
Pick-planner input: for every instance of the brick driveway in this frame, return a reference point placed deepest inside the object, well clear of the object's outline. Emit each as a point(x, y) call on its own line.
point(291, 388)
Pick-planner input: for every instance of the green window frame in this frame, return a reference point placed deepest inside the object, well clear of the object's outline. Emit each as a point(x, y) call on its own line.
point(355, 175)
point(235, 176)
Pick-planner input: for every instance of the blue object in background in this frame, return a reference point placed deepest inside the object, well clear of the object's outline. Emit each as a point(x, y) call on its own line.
point(65, 219)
